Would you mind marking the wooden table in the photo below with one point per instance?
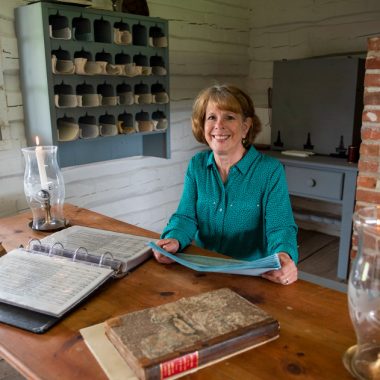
(315, 325)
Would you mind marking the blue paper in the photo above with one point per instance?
(214, 264)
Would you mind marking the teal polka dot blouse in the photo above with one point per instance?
(247, 217)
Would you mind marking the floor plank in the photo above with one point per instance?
(310, 242)
(318, 254)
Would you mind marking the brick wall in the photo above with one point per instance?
(368, 182)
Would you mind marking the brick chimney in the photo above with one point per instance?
(368, 182)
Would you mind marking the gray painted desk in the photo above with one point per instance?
(328, 179)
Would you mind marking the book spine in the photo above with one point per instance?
(214, 351)
(179, 365)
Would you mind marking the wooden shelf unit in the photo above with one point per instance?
(45, 29)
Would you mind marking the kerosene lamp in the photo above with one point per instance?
(363, 359)
(44, 187)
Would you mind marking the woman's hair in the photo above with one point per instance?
(226, 98)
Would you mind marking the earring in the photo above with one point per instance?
(244, 141)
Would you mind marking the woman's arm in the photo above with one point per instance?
(170, 245)
(281, 230)
(183, 224)
(288, 272)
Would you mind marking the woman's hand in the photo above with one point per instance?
(288, 272)
(169, 245)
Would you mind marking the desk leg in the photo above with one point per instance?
(349, 191)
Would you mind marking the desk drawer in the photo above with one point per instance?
(314, 183)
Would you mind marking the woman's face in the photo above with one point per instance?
(224, 130)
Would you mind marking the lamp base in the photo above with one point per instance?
(347, 360)
(362, 369)
(52, 225)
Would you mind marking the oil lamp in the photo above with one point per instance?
(44, 187)
(363, 359)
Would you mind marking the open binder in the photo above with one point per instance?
(40, 284)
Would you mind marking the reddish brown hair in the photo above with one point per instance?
(228, 98)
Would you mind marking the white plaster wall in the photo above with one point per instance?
(208, 42)
(305, 28)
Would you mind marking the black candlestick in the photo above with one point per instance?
(278, 142)
(341, 150)
(308, 144)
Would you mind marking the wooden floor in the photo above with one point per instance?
(318, 256)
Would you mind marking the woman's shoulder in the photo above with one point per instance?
(201, 158)
(267, 160)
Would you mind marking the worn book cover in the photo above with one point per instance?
(182, 336)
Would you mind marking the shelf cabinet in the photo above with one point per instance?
(95, 83)
(329, 179)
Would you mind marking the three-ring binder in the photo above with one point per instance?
(79, 254)
(42, 283)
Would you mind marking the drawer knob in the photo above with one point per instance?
(311, 182)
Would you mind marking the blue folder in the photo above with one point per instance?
(214, 264)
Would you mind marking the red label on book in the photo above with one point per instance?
(178, 365)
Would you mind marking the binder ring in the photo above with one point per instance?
(104, 257)
(78, 251)
(29, 246)
(55, 246)
(121, 272)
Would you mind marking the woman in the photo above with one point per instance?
(235, 200)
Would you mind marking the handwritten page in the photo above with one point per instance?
(47, 284)
(131, 249)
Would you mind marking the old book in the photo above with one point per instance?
(183, 336)
(41, 283)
